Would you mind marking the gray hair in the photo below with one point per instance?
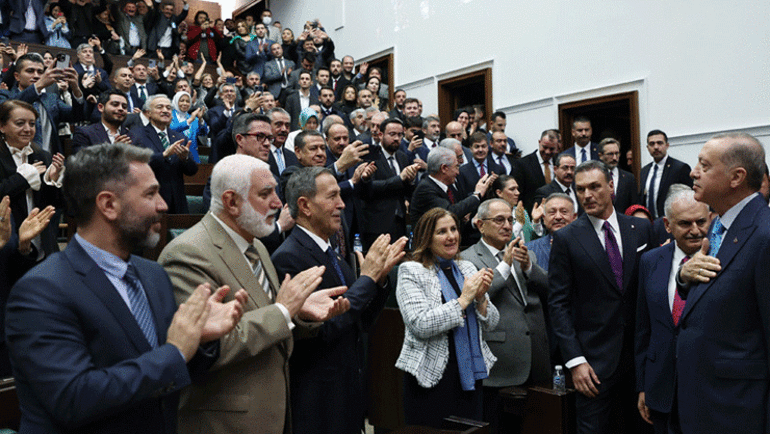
(151, 99)
(483, 211)
(608, 141)
(275, 110)
(83, 46)
(302, 183)
(251, 74)
(355, 113)
(676, 193)
(744, 150)
(450, 143)
(440, 156)
(224, 85)
(554, 196)
(371, 109)
(426, 122)
(98, 168)
(329, 121)
(233, 173)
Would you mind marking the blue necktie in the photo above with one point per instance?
(583, 155)
(336, 264)
(140, 307)
(717, 233)
(651, 191)
(279, 161)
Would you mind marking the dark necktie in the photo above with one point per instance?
(676, 311)
(651, 191)
(142, 93)
(583, 155)
(335, 264)
(613, 253)
(140, 307)
(482, 172)
(451, 195)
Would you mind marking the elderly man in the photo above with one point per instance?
(520, 341)
(327, 371)
(722, 349)
(624, 182)
(93, 334)
(223, 249)
(86, 65)
(558, 211)
(217, 116)
(454, 130)
(660, 307)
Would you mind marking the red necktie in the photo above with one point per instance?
(451, 196)
(676, 312)
(482, 172)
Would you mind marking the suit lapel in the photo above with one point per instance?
(659, 286)
(152, 136)
(318, 255)
(591, 245)
(629, 234)
(491, 262)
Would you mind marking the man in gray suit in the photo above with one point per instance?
(520, 340)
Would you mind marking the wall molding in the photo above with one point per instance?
(702, 137)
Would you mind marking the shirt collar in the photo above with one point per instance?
(109, 263)
(440, 184)
(729, 217)
(598, 223)
(322, 244)
(241, 243)
(24, 152)
(494, 251)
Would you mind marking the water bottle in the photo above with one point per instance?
(559, 382)
(411, 236)
(357, 246)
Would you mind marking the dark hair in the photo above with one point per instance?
(105, 96)
(580, 119)
(299, 141)
(323, 68)
(309, 56)
(305, 72)
(389, 121)
(655, 133)
(302, 183)
(344, 90)
(242, 122)
(413, 122)
(460, 111)
(497, 114)
(29, 57)
(423, 235)
(478, 136)
(10, 105)
(199, 13)
(411, 100)
(498, 184)
(594, 165)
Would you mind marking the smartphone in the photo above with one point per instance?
(373, 155)
(230, 80)
(420, 134)
(260, 88)
(153, 63)
(62, 61)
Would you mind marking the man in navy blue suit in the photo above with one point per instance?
(592, 277)
(171, 153)
(113, 108)
(659, 308)
(658, 176)
(330, 365)
(217, 116)
(24, 30)
(95, 343)
(258, 49)
(583, 149)
(723, 358)
(280, 157)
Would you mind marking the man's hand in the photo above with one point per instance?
(643, 409)
(322, 305)
(179, 149)
(96, 43)
(415, 143)
(363, 171)
(33, 226)
(123, 138)
(520, 253)
(409, 172)
(49, 77)
(71, 76)
(537, 212)
(585, 380)
(5, 220)
(352, 155)
(381, 257)
(188, 322)
(484, 183)
(138, 54)
(223, 316)
(295, 290)
(701, 268)
(285, 219)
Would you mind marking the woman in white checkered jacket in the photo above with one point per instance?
(445, 307)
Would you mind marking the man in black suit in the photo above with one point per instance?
(658, 176)
(113, 107)
(87, 65)
(536, 169)
(564, 175)
(326, 101)
(301, 98)
(498, 145)
(142, 87)
(171, 153)
(593, 275)
(217, 116)
(280, 157)
(481, 163)
(624, 182)
(337, 81)
(163, 34)
(123, 80)
(437, 190)
(330, 364)
(583, 149)
(399, 96)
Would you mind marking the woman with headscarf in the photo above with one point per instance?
(191, 125)
(308, 120)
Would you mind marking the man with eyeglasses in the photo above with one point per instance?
(520, 341)
(625, 183)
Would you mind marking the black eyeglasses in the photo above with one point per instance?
(500, 220)
(261, 137)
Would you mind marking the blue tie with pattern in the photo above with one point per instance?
(717, 233)
(140, 307)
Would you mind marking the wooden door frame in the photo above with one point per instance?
(447, 103)
(387, 58)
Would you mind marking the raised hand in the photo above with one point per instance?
(222, 317)
(33, 225)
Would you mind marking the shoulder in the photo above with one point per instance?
(466, 267)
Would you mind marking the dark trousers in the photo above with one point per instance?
(30, 37)
(614, 410)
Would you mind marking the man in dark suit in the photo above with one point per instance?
(142, 87)
(519, 341)
(624, 182)
(536, 169)
(330, 365)
(660, 307)
(593, 279)
(437, 190)
(123, 80)
(277, 71)
(258, 49)
(722, 360)
(498, 146)
(163, 25)
(21, 28)
(217, 116)
(558, 211)
(280, 157)
(499, 122)
(171, 153)
(294, 103)
(658, 176)
(584, 149)
(481, 164)
(337, 80)
(113, 107)
(399, 96)
(563, 182)
(93, 334)
(326, 102)
(86, 64)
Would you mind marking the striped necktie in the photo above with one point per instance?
(140, 307)
(259, 271)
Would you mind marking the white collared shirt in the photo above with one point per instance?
(579, 153)
(505, 270)
(658, 177)
(571, 193)
(678, 256)
(110, 135)
(541, 162)
(598, 225)
(324, 245)
(615, 178)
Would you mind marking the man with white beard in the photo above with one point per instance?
(223, 247)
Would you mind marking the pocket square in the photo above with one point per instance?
(642, 247)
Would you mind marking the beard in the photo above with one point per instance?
(254, 222)
(137, 232)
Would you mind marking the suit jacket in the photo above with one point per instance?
(331, 364)
(469, 175)
(341, 83)
(168, 171)
(594, 152)
(541, 247)
(289, 159)
(98, 87)
(501, 168)
(150, 87)
(294, 107)
(429, 195)
(249, 384)
(18, 19)
(256, 57)
(217, 120)
(529, 175)
(81, 361)
(273, 78)
(625, 194)
(383, 196)
(554, 187)
(90, 135)
(674, 172)
(520, 340)
(590, 315)
(724, 334)
(429, 320)
(123, 27)
(158, 25)
(655, 330)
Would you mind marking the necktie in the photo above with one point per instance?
(163, 139)
(142, 93)
(500, 161)
(547, 171)
(613, 253)
(717, 233)
(651, 191)
(279, 161)
(583, 155)
(130, 102)
(38, 139)
(256, 266)
(482, 172)
(283, 73)
(451, 195)
(335, 264)
(334, 85)
(676, 311)
(392, 163)
(140, 307)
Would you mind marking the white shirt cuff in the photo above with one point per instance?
(504, 269)
(286, 315)
(576, 361)
(538, 228)
(47, 177)
(30, 173)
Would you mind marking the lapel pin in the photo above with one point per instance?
(735, 240)
(633, 227)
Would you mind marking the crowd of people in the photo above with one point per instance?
(255, 319)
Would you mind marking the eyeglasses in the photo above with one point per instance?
(261, 137)
(499, 220)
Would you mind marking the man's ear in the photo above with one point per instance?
(231, 203)
(303, 207)
(108, 204)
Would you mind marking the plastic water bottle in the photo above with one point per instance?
(411, 235)
(559, 381)
(357, 246)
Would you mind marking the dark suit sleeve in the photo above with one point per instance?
(560, 274)
(642, 338)
(79, 140)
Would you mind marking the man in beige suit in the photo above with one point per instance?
(247, 390)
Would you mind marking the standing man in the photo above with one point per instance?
(258, 50)
(327, 371)
(623, 182)
(222, 249)
(164, 35)
(338, 80)
(660, 307)
(123, 80)
(280, 156)
(95, 342)
(499, 123)
(592, 276)
(277, 72)
(520, 341)
(300, 99)
(481, 163)
(142, 88)
(558, 211)
(536, 169)
(583, 149)
(724, 331)
(498, 146)
(112, 107)
(563, 182)
(658, 176)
